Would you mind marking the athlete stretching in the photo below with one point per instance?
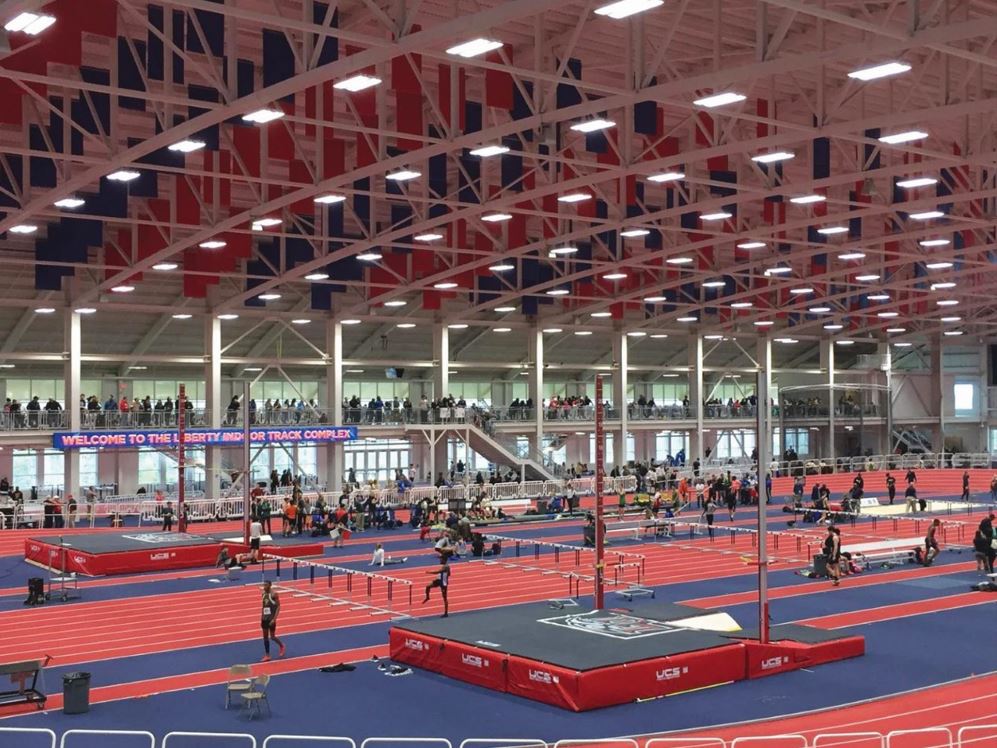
(271, 607)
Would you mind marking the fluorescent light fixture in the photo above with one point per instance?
(896, 329)
(807, 199)
(666, 176)
(501, 267)
(212, 244)
(268, 296)
(354, 371)
(867, 277)
(317, 276)
(329, 199)
(927, 215)
(122, 289)
(604, 314)
(720, 99)
(687, 319)
(844, 342)
(562, 251)
(266, 222)
(751, 245)
(934, 242)
(445, 285)
(633, 233)
(182, 315)
(902, 345)
(593, 125)
(720, 215)
(430, 237)
(165, 266)
(903, 137)
(301, 321)
(403, 175)
(661, 336)
(952, 333)
(356, 83)
(801, 291)
(405, 325)
(878, 297)
(888, 315)
(581, 333)
(123, 175)
(951, 319)
(457, 326)
(558, 292)
(942, 286)
(475, 47)
(714, 284)
(496, 217)
(504, 309)
(741, 305)
(833, 326)
(832, 230)
(369, 256)
(771, 158)
(138, 368)
(30, 23)
(574, 197)
(614, 276)
(879, 71)
(45, 310)
(262, 116)
(487, 151)
(909, 184)
(228, 316)
(788, 341)
(23, 228)
(187, 146)
(69, 202)
(940, 265)
(552, 330)
(679, 260)
(625, 8)
(636, 334)
(253, 368)
(947, 302)
(847, 256)
(763, 323)
(501, 329)
(647, 300)
(395, 303)
(779, 270)
(819, 309)
(351, 322)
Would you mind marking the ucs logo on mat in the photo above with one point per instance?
(418, 646)
(613, 625)
(542, 676)
(670, 673)
(474, 660)
(774, 662)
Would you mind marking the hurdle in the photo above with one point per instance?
(379, 594)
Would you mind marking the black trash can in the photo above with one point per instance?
(820, 565)
(76, 693)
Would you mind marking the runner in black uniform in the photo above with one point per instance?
(965, 485)
(891, 487)
(832, 552)
(271, 607)
(931, 543)
(443, 582)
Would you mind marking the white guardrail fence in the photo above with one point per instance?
(969, 736)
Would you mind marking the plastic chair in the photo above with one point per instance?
(239, 681)
(254, 699)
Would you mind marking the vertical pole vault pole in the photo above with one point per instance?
(763, 442)
(246, 459)
(600, 463)
(181, 472)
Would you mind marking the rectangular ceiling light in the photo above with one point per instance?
(846, 256)
(30, 23)
(593, 125)
(212, 244)
(329, 199)
(916, 182)
(679, 261)
(667, 176)
(23, 228)
(187, 146)
(903, 137)
(721, 99)
(879, 71)
(720, 215)
(123, 175)
(487, 151)
(632, 233)
(266, 222)
(496, 217)
(807, 199)
(356, 83)
(832, 230)
(574, 197)
(771, 158)
(927, 215)
(403, 175)
(933, 242)
(69, 202)
(262, 116)
(625, 8)
(751, 245)
(943, 265)
(430, 237)
(474, 48)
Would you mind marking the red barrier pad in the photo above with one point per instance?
(539, 681)
(477, 665)
(122, 562)
(783, 656)
(418, 650)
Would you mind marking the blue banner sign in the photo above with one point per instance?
(201, 437)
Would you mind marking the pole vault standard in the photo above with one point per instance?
(762, 443)
(600, 455)
(246, 459)
(181, 440)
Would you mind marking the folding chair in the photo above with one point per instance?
(239, 681)
(256, 696)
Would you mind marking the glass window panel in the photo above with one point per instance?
(88, 467)
(964, 394)
(53, 465)
(25, 469)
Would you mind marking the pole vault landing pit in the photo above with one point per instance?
(130, 552)
(581, 659)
